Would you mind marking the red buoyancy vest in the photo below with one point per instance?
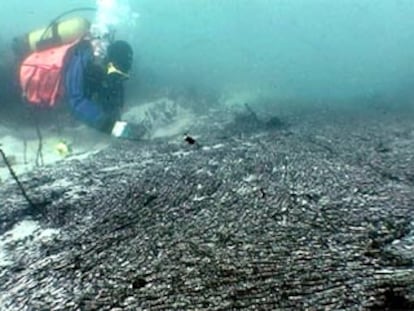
(41, 75)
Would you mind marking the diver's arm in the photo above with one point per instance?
(82, 108)
(91, 114)
(86, 110)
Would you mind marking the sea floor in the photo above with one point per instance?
(314, 212)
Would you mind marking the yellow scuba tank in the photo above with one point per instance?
(55, 34)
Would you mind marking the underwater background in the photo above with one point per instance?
(313, 51)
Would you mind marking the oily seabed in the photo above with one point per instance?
(312, 211)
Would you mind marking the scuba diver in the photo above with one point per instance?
(65, 61)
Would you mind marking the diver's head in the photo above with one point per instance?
(120, 54)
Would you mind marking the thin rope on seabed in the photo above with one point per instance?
(13, 174)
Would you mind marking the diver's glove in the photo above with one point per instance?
(131, 131)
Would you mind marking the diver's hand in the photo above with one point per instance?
(131, 131)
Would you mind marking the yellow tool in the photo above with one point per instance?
(63, 149)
